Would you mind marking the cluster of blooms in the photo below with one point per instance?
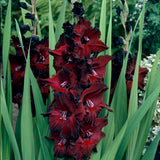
(78, 91)
(39, 64)
(117, 63)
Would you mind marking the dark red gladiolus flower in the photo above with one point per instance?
(78, 91)
(116, 69)
(94, 69)
(63, 80)
(39, 62)
(63, 54)
(87, 39)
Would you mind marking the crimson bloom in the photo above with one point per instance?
(63, 80)
(39, 64)
(87, 39)
(78, 90)
(88, 139)
(116, 69)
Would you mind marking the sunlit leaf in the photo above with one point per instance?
(60, 21)
(7, 123)
(135, 120)
(27, 138)
(6, 39)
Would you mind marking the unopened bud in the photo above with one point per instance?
(69, 1)
(128, 27)
(30, 16)
(118, 10)
(78, 9)
(24, 29)
(25, 5)
(123, 1)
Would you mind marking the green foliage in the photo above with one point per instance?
(127, 130)
(6, 39)
(152, 27)
(151, 24)
(27, 137)
(40, 122)
(152, 84)
(60, 21)
(8, 125)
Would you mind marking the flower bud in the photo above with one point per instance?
(123, 1)
(25, 5)
(128, 27)
(68, 28)
(30, 16)
(24, 29)
(116, 41)
(118, 10)
(35, 40)
(78, 9)
(69, 1)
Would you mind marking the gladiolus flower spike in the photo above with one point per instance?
(39, 64)
(117, 62)
(78, 91)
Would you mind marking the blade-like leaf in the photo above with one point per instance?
(112, 149)
(119, 115)
(150, 152)
(46, 154)
(133, 102)
(40, 122)
(7, 123)
(135, 120)
(120, 110)
(27, 138)
(20, 37)
(119, 105)
(93, 21)
(5, 139)
(18, 130)
(102, 24)
(153, 82)
(6, 148)
(9, 91)
(6, 39)
(18, 122)
(60, 21)
(107, 78)
(52, 43)
(25, 21)
(109, 129)
(36, 139)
